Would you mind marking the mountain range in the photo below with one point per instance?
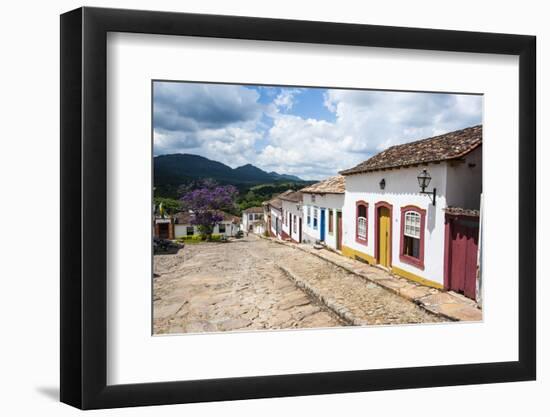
(181, 168)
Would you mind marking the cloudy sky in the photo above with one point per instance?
(309, 132)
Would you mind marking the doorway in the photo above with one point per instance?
(339, 230)
(164, 230)
(384, 236)
(462, 235)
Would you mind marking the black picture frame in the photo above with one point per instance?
(84, 207)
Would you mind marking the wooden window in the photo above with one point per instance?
(412, 236)
(221, 228)
(294, 226)
(309, 215)
(190, 230)
(250, 217)
(331, 221)
(361, 222)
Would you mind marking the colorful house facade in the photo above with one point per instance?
(414, 209)
(274, 216)
(291, 212)
(322, 205)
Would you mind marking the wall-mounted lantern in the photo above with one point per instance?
(424, 179)
(382, 183)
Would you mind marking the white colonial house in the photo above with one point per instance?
(253, 220)
(322, 212)
(414, 209)
(274, 216)
(291, 215)
(183, 226)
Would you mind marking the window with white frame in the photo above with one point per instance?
(362, 221)
(411, 234)
(309, 215)
(190, 230)
(221, 228)
(315, 217)
(294, 227)
(251, 217)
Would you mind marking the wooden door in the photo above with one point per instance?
(299, 230)
(164, 231)
(339, 230)
(462, 261)
(384, 236)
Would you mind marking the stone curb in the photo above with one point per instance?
(339, 310)
(418, 301)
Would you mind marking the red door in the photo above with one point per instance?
(462, 235)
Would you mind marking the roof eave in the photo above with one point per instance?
(413, 164)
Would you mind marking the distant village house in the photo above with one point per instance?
(322, 210)
(253, 220)
(291, 212)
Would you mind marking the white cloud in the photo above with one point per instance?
(285, 99)
(228, 124)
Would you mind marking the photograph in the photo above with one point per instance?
(290, 207)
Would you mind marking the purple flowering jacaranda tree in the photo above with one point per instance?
(207, 204)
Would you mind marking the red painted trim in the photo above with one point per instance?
(358, 239)
(447, 254)
(377, 228)
(419, 263)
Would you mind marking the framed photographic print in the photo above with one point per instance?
(258, 208)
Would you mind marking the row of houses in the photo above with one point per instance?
(413, 209)
(181, 225)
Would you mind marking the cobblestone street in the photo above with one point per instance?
(254, 283)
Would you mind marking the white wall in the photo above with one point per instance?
(290, 207)
(276, 217)
(247, 222)
(180, 230)
(322, 201)
(401, 190)
(33, 389)
(464, 181)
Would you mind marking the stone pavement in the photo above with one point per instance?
(253, 283)
(447, 304)
(212, 287)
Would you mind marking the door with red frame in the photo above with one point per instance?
(462, 234)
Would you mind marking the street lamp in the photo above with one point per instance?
(424, 179)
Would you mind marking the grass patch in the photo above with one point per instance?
(196, 239)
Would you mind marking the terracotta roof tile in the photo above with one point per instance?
(254, 210)
(184, 217)
(332, 185)
(451, 145)
(290, 195)
(459, 211)
(275, 203)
